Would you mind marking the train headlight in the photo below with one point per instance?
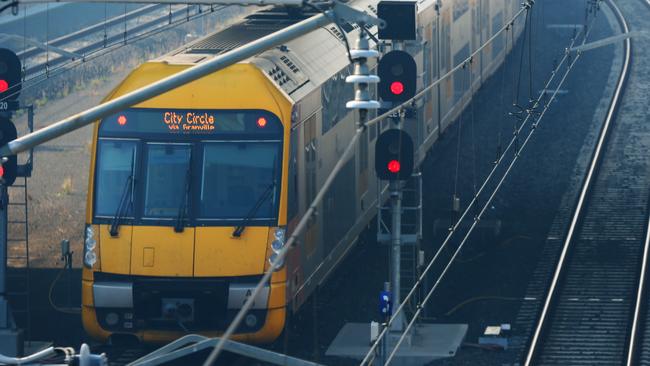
(279, 234)
(90, 257)
(278, 242)
(277, 245)
(273, 258)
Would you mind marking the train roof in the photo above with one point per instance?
(297, 67)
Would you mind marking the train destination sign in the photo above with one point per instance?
(190, 122)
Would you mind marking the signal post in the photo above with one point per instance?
(11, 342)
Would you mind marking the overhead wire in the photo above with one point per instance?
(321, 193)
(313, 206)
(477, 219)
(51, 72)
(569, 68)
(536, 103)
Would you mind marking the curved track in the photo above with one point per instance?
(594, 304)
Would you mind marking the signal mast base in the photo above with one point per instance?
(426, 343)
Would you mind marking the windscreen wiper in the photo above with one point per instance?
(179, 227)
(265, 195)
(129, 186)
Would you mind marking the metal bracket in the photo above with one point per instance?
(346, 13)
(609, 40)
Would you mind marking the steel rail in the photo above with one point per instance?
(41, 77)
(112, 40)
(478, 217)
(470, 205)
(644, 264)
(586, 188)
(91, 29)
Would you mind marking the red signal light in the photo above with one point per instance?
(261, 122)
(121, 120)
(4, 85)
(396, 87)
(2, 171)
(394, 166)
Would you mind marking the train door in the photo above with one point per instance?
(165, 247)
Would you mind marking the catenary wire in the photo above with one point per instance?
(474, 200)
(321, 193)
(55, 71)
(477, 219)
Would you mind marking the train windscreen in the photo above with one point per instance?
(145, 177)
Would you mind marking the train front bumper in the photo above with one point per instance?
(162, 309)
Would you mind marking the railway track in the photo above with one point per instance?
(595, 311)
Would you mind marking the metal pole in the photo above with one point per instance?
(10, 340)
(438, 66)
(171, 82)
(3, 249)
(396, 250)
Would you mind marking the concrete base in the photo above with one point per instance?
(426, 343)
(11, 342)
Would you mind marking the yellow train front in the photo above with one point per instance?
(190, 193)
(185, 208)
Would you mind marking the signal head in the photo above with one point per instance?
(398, 77)
(400, 20)
(394, 158)
(10, 75)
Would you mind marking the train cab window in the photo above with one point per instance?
(239, 179)
(167, 181)
(115, 168)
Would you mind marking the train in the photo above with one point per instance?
(193, 192)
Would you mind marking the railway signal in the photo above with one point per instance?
(398, 77)
(400, 20)
(394, 155)
(9, 165)
(10, 75)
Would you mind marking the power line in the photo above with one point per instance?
(478, 217)
(51, 72)
(330, 179)
(530, 113)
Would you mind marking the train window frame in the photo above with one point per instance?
(204, 221)
(144, 175)
(196, 143)
(126, 220)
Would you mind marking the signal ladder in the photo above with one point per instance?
(18, 284)
(411, 230)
